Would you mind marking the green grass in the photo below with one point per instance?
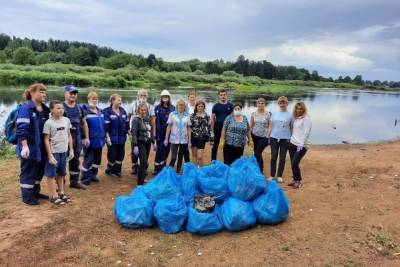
(7, 151)
(130, 77)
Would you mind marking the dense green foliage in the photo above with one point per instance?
(58, 62)
(130, 76)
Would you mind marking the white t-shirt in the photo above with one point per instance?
(58, 131)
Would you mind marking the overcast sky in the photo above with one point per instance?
(334, 37)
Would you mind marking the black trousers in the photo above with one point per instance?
(295, 158)
(115, 156)
(278, 147)
(180, 151)
(260, 143)
(144, 151)
(134, 159)
(217, 138)
(74, 163)
(161, 156)
(232, 153)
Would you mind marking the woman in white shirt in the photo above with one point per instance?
(299, 141)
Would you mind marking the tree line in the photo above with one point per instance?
(25, 51)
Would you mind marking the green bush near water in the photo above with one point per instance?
(94, 76)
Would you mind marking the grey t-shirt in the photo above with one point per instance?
(58, 133)
(261, 123)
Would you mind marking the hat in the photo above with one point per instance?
(70, 89)
(165, 93)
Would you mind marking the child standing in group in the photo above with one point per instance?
(57, 140)
(179, 134)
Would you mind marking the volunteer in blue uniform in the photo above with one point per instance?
(117, 127)
(79, 128)
(97, 137)
(162, 112)
(30, 148)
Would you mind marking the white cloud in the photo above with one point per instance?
(324, 53)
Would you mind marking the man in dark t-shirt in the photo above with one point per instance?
(220, 111)
(79, 129)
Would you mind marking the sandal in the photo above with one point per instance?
(297, 185)
(65, 198)
(57, 201)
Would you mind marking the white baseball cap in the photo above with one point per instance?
(165, 93)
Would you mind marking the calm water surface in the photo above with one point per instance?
(338, 115)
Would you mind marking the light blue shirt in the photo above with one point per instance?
(281, 125)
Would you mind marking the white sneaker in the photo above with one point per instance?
(269, 179)
(279, 179)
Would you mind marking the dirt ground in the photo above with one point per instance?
(346, 214)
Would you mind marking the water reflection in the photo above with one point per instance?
(337, 115)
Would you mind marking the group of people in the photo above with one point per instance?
(50, 137)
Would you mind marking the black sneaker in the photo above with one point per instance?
(78, 185)
(108, 172)
(32, 202)
(41, 196)
(116, 175)
(96, 180)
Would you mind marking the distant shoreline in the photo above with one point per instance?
(59, 74)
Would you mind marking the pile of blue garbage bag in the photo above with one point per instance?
(242, 197)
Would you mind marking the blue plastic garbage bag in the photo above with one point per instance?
(165, 185)
(272, 206)
(203, 223)
(135, 211)
(236, 214)
(171, 214)
(189, 181)
(212, 180)
(245, 180)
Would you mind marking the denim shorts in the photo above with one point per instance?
(60, 168)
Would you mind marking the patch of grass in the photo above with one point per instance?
(7, 151)
(382, 242)
(285, 248)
